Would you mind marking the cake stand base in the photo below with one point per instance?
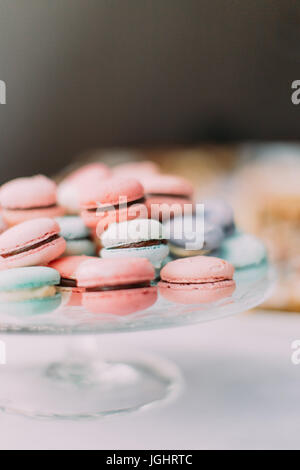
(83, 386)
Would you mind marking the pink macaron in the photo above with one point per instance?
(167, 196)
(70, 189)
(3, 224)
(29, 198)
(116, 200)
(136, 169)
(67, 267)
(199, 279)
(117, 286)
(31, 243)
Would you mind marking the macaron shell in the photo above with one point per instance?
(26, 234)
(165, 207)
(102, 220)
(37, 257)
(72, 228)
(110, 191)
(133, 231)
(120, 302)
(80, 247)
(219, 212)
(197, 293)
(68, 196)
(23, 193)
(243, 250)
(85, 173)
(3, 224)
(197, 269)
(155, 254)
(28, 278)
(71, 188)
(32, 307)
(190, 233)
(15, 217)
(68, 265)
(98, 272)
(167, 184)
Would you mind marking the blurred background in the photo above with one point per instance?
(109, 73)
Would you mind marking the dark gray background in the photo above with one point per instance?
(88, 73)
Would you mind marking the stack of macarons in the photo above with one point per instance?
(116, 286)
(167, 195)
(75, 183)
(77, 235)
(115, 200)
(101, 238)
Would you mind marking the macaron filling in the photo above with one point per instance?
(181, 252)
(31, 247)
(111, 207)
(119, 287)
(27, 294)
(173, 196)
(140, 244)
(72, 283)
(199, 285)
(51, 206)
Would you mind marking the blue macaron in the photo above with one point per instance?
(219, 212)
(30, 290)
(77, 236)
(243, 250)
(189, 236)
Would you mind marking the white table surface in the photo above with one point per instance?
(242, 391)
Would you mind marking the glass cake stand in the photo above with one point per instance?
(84, 385)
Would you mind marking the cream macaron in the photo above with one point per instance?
(139, 238)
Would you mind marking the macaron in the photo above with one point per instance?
(199, 279)
(243, 250)
(30, 290)
(69, 190)
(139, 238)
(167, 196)
(136, 169)
(3, 224)
(117, 286)
(29, 198)
(77, 236)
(116, 200)
(67, 266)
(219, 212)
(190, 235)
(31, 243)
